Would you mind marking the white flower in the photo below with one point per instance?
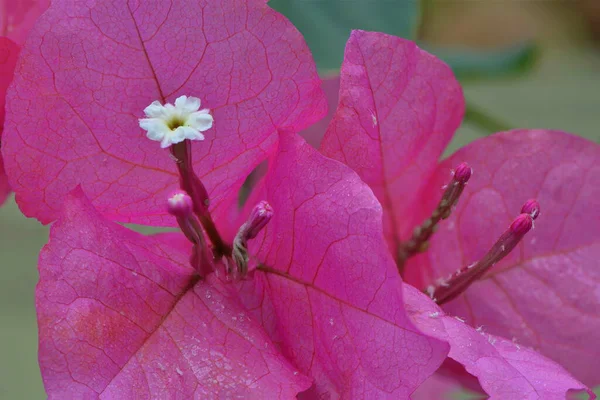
(171, 124)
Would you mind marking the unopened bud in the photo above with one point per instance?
(458, 282)
(180, 204)
(463, 173)
(259, 217)
(531, 207)
(522, 224)
(419, 242)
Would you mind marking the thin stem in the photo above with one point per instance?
(220, 248)
(189, 181)
(419, 241)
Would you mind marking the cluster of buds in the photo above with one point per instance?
(446, 289)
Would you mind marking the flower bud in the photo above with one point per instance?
(259, 217)
(463, 173)
(522, 224)
(459, 281)
(531, 207)
(180, 204)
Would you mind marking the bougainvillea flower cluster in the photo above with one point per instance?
(398, 109)
(16, 20)
(300, 291)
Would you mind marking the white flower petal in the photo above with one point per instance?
(191, 133)
(154, 110)
(187, 104)
(165, 142)
(178, 135)
(200, 120)
(155, 127)
(171, 124)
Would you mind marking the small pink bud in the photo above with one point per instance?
(531, 207)
(180, 204)
(259, 217)
(457, 283)
(462, 173)
(522, 224)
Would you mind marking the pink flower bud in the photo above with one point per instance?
(259, 217)
(462, 173)
(522, 224)
(180, 204)
(457, 283)
(531, 207)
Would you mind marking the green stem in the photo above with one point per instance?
(483, 121)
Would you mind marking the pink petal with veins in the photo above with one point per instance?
(545, 293)
(506, 371)
(327, 290)
(121, 316)
(18, 16)
(314, 133)
(399, 107)
(88, 72)
(9, 53)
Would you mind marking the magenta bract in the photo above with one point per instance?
(97, 68)
(314, 133)
(505, 369)
(122, 316)
(17, 19)
(399, 107)
(327, 289)
(9, 53)
(19, 16)
(543, 293)
(100, 330)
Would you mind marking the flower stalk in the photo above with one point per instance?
(180, 205)
(448, 289)
(189, 182)
(419, 242)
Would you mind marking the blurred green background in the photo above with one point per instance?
(528, 64)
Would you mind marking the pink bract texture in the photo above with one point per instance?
(399, 106)
(331, 297)
(88, 71)
(398, 109)
(439, 387)
(121, 316)
(18, 16)
(9, 53)
(314, 133)
(505, 370)
(16, 20)
(545, 292)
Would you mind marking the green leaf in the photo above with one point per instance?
(470, 64)
(326, 24)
